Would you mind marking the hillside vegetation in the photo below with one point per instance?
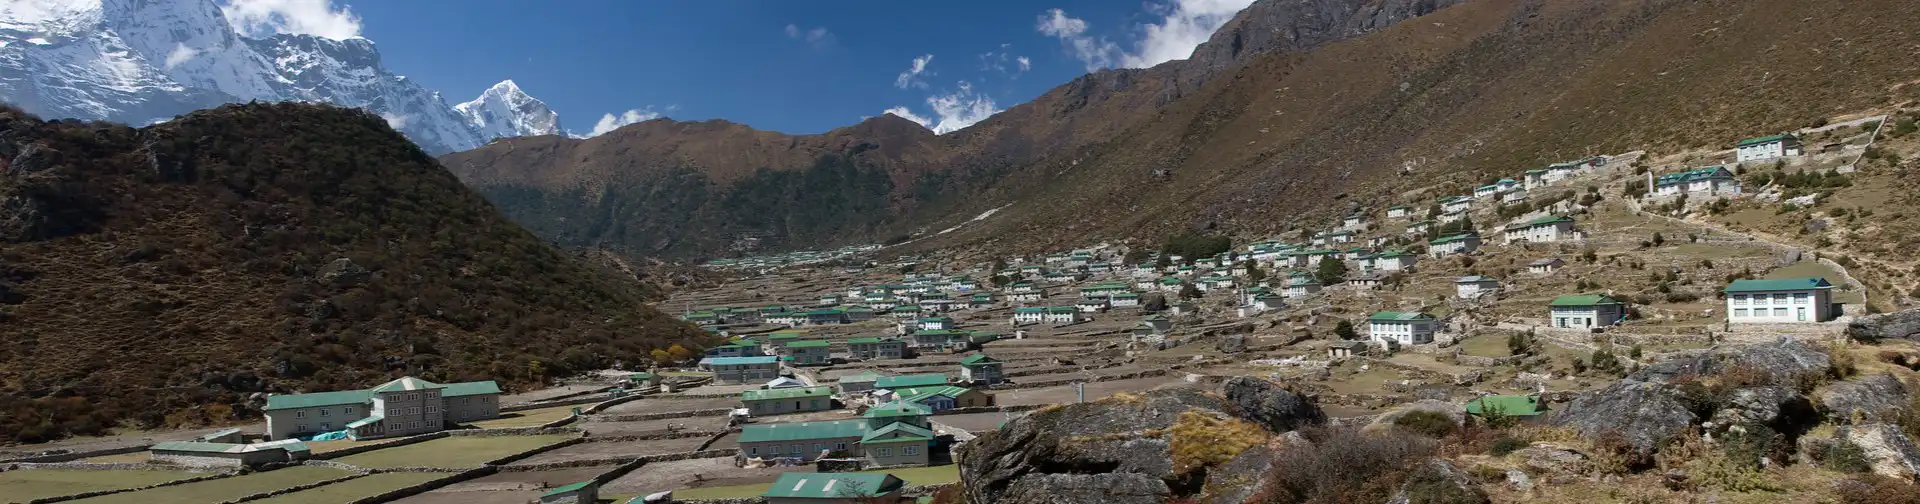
(164, 275)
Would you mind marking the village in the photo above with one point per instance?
(845, 377)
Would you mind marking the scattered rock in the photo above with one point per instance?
(1106, 488)
(1897, 325)
(1643, 414)
(1785, 359)
(343, 272)
(1268, 404)
(1451, 410)
(1890, 450)
(1438, 481)
(1096, 451)
(1553, 459)
(1872, 397)
(1519, 480)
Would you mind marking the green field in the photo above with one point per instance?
(528, 418)
(26, 485)
(357, 488)
(914, 476)
(224, 489)
(1486, 345)
(451, 452)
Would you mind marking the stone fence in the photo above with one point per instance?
(1055, 370)
(332, 464)
(650, 437)
(535, 451)
(659, 416)
(603, 405)
(295, 488)
(412, 490)
(73, 455)
(375, 446)
(515, 431)
(992, 409)
(665, 457)
(97, 493)
(715, 438)
(583, 398)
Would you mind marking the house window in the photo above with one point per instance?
(910, 450)
(326, 426)
(841, 446)
(1779, 299)
(300, 428)
(886, 452)
(1799, 298)
(299, 414)
(753, 450)
(346, 410)
(819, 447)
(1739, 312)
(795, 449)
(323, 412)
(1739, 299)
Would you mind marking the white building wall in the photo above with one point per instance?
(1802, 306)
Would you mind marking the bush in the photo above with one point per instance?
(1344, 464)
(1199, 440)
(1844, 456)
(1505, 445)
(1426, 423)
(1428, 485)
(1875, 489)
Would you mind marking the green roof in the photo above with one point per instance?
(863, 376)
(292, 401)
(1551, 219)
(760, 433)
(812, 485)
(1510, 405)
(1394, 316)
(907, 381)
(1781, 284)
(947, 320)
(1450, 239)
(469, 388)
(809, 344)
(1764, 139)
(785, 393)
(1535, 172)
(1062, 309)
(977, 359)
(1584, 300)
(916, 394)
(783, 335)
(905, 432)
(1706, 173)
(567, 488)
(897, 409)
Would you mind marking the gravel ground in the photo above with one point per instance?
(678, 474)
(615, 449)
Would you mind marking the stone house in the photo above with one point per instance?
(1785, 300)
(979, 369)
(1402, 328)
(585, 492)
(787, 400)
(401, 407)
(1586, 311)
(1456, 244)
(1698, 182)
(742, 370)
(835, 488)
(858, 382)
(1545, 266)
(1473, 287)
(1542, 230)
(1091, 305)
(205, 454)
(877, 348)
(810, 353)
(1767, 147)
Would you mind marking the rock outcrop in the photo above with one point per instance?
(1870, 398)
(1890, 451)
(1783, 359)
(1642, 414)
(1781, 408)
(1897, 325)
(1272, 406)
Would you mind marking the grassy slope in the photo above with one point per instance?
(180, 268)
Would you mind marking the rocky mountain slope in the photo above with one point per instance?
(144, 61)
(167, 275)
(677, 189)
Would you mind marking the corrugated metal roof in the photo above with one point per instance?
(833, 485)
(761, 433)
(785, 393)
(1781, 284)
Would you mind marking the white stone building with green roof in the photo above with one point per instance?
(401, 407)
(1767, 147)
(892, 426)
(1785, 300)
(1401, 328)
(1585, 311)
(787, 400)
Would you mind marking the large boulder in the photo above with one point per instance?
(1438, 481)
(1890, 451)
(1452, 410)
(1642, 414)
(1271, 405)
(1237, 480)
(1049, 454)
(1552, 459)
(1871, 398)
(1897, 325)
(1781, 408)
(1783, 360)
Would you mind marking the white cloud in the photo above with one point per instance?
(952, 111)
(1004, 62)
(905, 113)
(817, 36)
(305, 17)
(612, 122)
(911, 77)
(181, 53)
(395, 121)
(1182, 26)
(1025, 64)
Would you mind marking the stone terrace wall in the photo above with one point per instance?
(295, 488)
(97, 493)
(412, 490)
(536, 451)
(71, 456)
(659, 416)
(375, 446)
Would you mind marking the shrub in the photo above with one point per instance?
(1875, 489)
(1428, 485)
(1505, 445)
(1426, 423)
(1199, 440)
(1845, 456)
(1344, 464)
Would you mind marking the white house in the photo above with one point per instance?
(1300, 287)
(1123, 300)
(1340, 237)
(1452, 217)
(1545, 266)
(1026, 297)
(1399, 211)
(1394, 261)
(1356, 222)
(1586, 311)
(1456, 204)
(1786, 300)
(1486, 190)
(1767, 147)
(1419, 227)
(1456, 244)
(1534, 179)
(1029, 315)
(1091, 305)
(1547, 229)
(1472, 287)
(1369, 281)
(1401, 328)
(1706, 181)
(1513, 196)
(1062, 315)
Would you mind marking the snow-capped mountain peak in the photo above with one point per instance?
(506, 111)
(137, 61)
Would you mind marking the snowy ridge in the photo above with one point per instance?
(138, 61)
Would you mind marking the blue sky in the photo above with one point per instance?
(794, 67)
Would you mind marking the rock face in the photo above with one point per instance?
(1896, 325)
(1112, 451)
(1780, 408)
(1438, 481)
(1451, 410)
(1642, 414)
(1784, 359)
(1553, 459)
(1238, 479)
(1872, 397)
(1890, 450)
(1271, 406)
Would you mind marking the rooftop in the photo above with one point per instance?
(1584, 300)
(810, 485)
(1394, 316)
(908, 381)
(760, 433)
(785, 393)
(1782, 284)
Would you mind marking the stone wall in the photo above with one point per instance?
(375, 446)
(665, 457)
(584, 398)
(658, 416)
(515, 431)
(603, 405)
(715, 438)
(68, 456)
(650, 437)
(535, 451)
(409, 491)
(295, 488)
(83, 495)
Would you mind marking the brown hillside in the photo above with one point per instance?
(164, 275)
(669, 188)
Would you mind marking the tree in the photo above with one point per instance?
(679, 353)
(1164, 261)
(1344, 330)
(1135, 256)
(1659, 240)
(1188, 291)
(1332, 271)
(999, 280)
(1254, 273)
(661, 356)
(536, 370)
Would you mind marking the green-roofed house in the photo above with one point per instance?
(741, 370)
(981, 370)
(585, 492)
(802, 441)
(858, 382)
(1767, 147)
(1586, 311)
(810, 353)
(787, 400)
(401, 407)
(1704, 181)
(1401, 328)
(1450, 245)
(1399, 212)
(1783, 300)
(944, 397)
(910, 381)
(206, 454)
(1517, 406)
(898, 444)
(1486, 190)
(741, 348)
(877, 348)
(835, 488)
(1534, 179)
